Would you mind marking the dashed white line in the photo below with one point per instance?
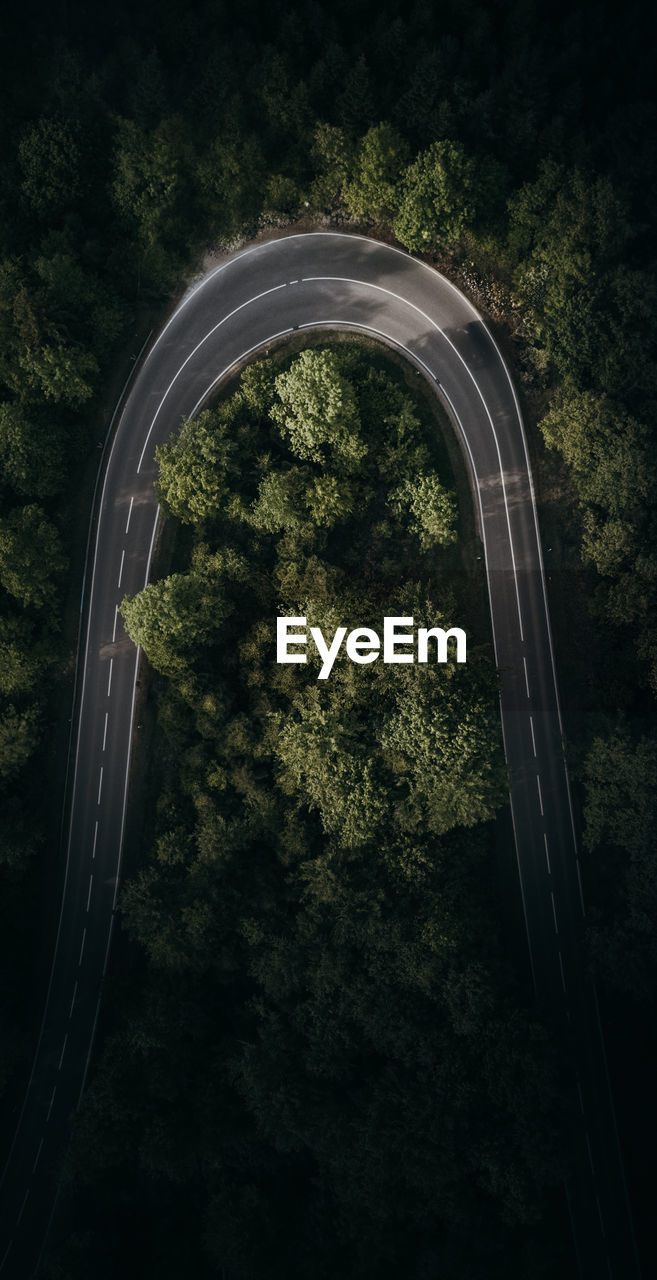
(554, 913)
(547, 854)
(52, 1099)
(36, 1159)
(524, 663)
(105, 730)
(579, 881)
(22, 1208)
(61, 1056)
(540, 794)
(127, 523)
(100, 784)
(84, 935)
(563, 979)
(109, 682)
(93, 851)
(531, 725)
(6, 1254)
(91, 880)
(116, 616)
(121, 569)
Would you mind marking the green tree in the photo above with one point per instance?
(22, 661)
(19, 738)
(440, 198)
(172, 618)
(31, 557)
(373, 190)
(193, 469)
(64, 375)
(31, 452)
(49, 158)
(317, 410)
(429, 509)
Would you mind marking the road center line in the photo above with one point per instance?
(91, 880)
(127, 524)
(531, 725)
(75, 992)
(121, 569)
(116, 615)
(547, 854)
(100, 784)
(540, 794)
(579, 881)
(22, 1208)
(84, 935)
(524, 662)
(554, 913)
(109, 682)
(105, 730)
(93, 851)
(36, 1160)
(563, 980)
(52, 1099)
(61, 1056)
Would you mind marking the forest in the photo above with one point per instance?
(512, 146)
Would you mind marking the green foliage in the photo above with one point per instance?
(31, 557)
(431, 510)
(440, 198)
(49, 157)
(317, 410)
(57, 374)
(31, 453)
(374, 188)
(193, 468)
(18, 739)
(169, 619)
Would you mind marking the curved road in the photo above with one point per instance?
(259, 295)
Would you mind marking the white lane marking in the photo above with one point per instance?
(121, 569)
(602, 1225)
(61, 1056)
(531, 725)
(6, 1254)
(540, 794)
(52, 1099)
(563, 980)
(116, 617)
(100, 785)
(91, 880)
(398, 298)
(579, 881)
(84, 936)
(36, 1159)
(547, 854)
(191, 355)
(588, 1145)
(109, 682)
(283, 333)
(524, 661)
(105, 730)
(554, 913)
(93, 851)
(22, 1208)
(127, 524)
(75, 992)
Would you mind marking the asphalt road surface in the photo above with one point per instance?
(257, 296)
